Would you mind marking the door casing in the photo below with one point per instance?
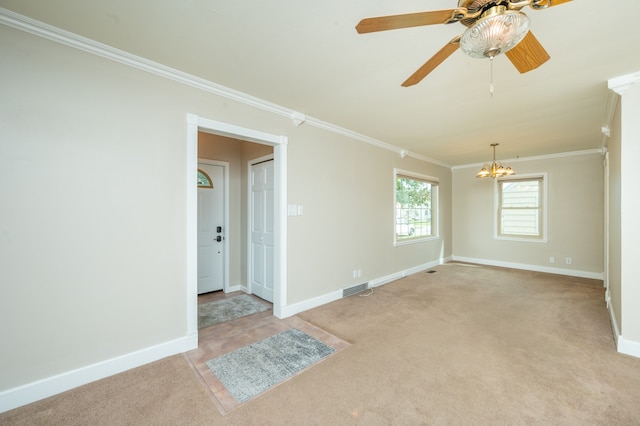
(279, 143)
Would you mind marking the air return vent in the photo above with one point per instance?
(355, 289)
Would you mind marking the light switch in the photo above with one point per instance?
(299, 210)
(292, 210)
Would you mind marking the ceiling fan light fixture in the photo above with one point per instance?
(496, 32)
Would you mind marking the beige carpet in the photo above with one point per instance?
(466, 345)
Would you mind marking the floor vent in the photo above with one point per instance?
(355, 289)
(431, 271)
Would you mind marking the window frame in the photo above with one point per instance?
(543, 208)
(435, 222)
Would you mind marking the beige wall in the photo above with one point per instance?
(346, 190)
(574, 210)
(93, 221)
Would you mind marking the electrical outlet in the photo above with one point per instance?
(552, 259)
(568, 260)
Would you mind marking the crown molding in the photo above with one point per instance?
(536, 158)
(622, 83)
(76, 41)
(372, 141)
(58, 35)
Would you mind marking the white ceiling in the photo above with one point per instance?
(306, 55)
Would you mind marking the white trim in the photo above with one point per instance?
(88, 45)
(528, 267)
(387, 279)
(614, 322)
(628, 347)
(415, 240)
(405, 273)
(607, 226)
(279, 144)
(407, 173)
(371, 141)
(225, 241)
(305, 305)
(49, 32)
(622, 83)
(35, 391)
(191, 251)
(232, 131)
(624, 346)
(535, 158)
(280, 299)
(233, 288)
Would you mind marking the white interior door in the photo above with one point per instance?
(211, 230)
(261, 262)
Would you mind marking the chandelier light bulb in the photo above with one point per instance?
(497, 32)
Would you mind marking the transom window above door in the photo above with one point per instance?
(204, 181)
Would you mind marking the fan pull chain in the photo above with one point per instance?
(491, 82)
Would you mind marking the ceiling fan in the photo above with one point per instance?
(493, 27)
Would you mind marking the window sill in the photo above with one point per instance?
(414, 241)
(521, 239)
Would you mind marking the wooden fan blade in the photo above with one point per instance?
(557, 2)
(394, 22)
(432, 63)
(528, 54)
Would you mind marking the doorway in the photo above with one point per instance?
(279, 144)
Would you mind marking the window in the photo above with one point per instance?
(204, 181)
(520, 207)
(415, 206)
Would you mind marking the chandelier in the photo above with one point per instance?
(497, 31)
(495, 169)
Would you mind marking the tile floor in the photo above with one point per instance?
(226, 337)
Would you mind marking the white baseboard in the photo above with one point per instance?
(410, 271)
(35, 391)
(628, 347)
(536, 268)
(305, 305)
(296, 308)
(233, 288)
(624, 346)
(614, 322)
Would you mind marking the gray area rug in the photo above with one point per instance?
(250, 370)
(228, 309)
